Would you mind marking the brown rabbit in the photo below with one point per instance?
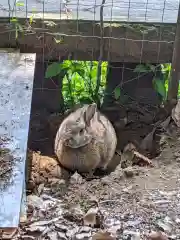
(86, 140)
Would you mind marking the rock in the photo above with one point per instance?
(58, 186)
(76, 178)
(165, 225)
(176, 114)
(103, 236)
(131, 171)
(92, 218)
(157, 236)
(132, 235)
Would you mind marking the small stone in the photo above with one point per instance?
(133, 235)
(62, 236)
(129, 172)
(157, 236)
(102, 236)
(164, 226)
(76, 178)
(92, 217)
(83, 235)
(177, 220)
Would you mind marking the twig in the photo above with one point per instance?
(9, 234)
(145, 159)
(5, 171)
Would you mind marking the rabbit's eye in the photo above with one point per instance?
(81, 131)
(78, 120)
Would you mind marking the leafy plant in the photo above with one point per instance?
(159, 86)
(19, 28)
(19, 4)
(160, 83)
(144, 68)
(79, 80)
(117, 93)
(53, 70)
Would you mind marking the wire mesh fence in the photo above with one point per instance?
(119, 10)
(96, 28)
(112, 31)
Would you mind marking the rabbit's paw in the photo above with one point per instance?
(104, 168)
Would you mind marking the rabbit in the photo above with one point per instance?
(85, 140)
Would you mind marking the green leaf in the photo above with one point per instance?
(141, 68)
(53, 70)
(60, 40)
(152, 67)
(80, 72)
(31, 19)
(20, 28)
(50, 23)
(19, 4)
(86, 100)
(16, 32)
(78, 67)
(94, 72)
(160, 87)
(14, 20)
(66, 64)
(117, 93)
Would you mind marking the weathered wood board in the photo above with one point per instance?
(80, 40)
(16, 85)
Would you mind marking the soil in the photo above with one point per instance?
(6, 165)
(132, 201)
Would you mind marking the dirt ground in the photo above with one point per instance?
(6, 165)
(130, 202)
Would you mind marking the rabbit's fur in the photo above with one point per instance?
(86, 140)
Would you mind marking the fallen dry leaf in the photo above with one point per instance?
(34, 201)
(147, 142)
(165, 123)
(129, 147)
(176, 113)
(8, 233)
(127, 155)
(157, 236)
(130, 156)
(144, 158)
(103, 236)
(43, 168)
(40, 188)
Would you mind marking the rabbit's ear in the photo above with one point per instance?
(89, 113)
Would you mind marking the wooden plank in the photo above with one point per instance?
(81, 40)
(16, 85)
(118, 10)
